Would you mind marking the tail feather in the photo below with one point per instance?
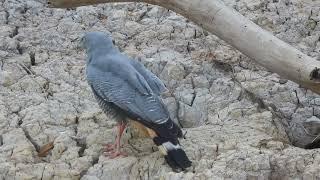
(313, 145)
(165, 136)
(175, 156)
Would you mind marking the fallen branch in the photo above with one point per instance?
(229, 25)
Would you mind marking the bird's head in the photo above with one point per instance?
(97, 41)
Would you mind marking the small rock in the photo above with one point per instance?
(6, 78)
(185, 94)
(201, 82)
(312, 125)
(277, 145)
(112, 168)
(172, 73)
(195, 115)
(283, 81)
(172, 107)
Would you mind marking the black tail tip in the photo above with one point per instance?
(312, 145)
(177, 159)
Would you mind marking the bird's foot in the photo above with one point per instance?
(109, 147)
(116, 154)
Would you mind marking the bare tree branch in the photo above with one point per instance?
(229, 25)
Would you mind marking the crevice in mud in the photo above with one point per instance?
(177, 113)
(20, 122)
(14, 32)
(298, 105)
(172, 32)
(194, 92)
(195, 34)
(1, 140)
(6, 17)
(81, 142)
(26, 69)
(1, 64)
(189, 49)
(19, 49)
(262, 106)
(82, 173)
(42, 172)
(226, 67)
(35, 145)
(45, 89)
(142, 15)
(32, 58)
(95, 161)
(253, 98)
(24, 10)
(76, 125)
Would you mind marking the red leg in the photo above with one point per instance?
(115, 149)
(109, 147)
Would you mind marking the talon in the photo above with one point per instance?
(109, 147)
(112, 150)
(117, 154)
(108, 153)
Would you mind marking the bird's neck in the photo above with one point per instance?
(102, 51)
(99, 53)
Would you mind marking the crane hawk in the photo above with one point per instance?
(126, 90)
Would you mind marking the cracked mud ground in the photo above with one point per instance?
(242, 121)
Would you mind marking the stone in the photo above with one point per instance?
(201, 82)
(195, 115)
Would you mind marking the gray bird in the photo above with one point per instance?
(126, 90)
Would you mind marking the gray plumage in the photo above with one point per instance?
(124, 88)
(122, 85)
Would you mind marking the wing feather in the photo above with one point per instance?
(154, 82)
(110, 87)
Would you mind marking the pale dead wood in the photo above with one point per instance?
(229, 25)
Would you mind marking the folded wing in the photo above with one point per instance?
(146, 108)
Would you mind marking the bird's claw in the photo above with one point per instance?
(109, 147)
(115, 154)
